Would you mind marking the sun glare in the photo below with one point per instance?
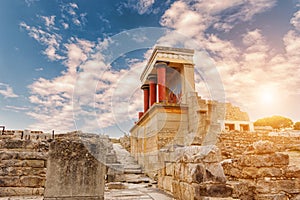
(267, 98)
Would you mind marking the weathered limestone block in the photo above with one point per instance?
(32, 181)
(293, 172)
(212, 190)
(22, 171)
(73, 172)
(10, 155)
(263, 147)
(296, 197)
(194, 173)
(169, 169)
(179, 171)
(272, 197)
(20, 191)
(242, 190)
(215, 173)
(269, 186)
(186, 191)
(176, 189)
(254, 172)
(167, 183)
(265, 160)
(196, 154)
(23, 163)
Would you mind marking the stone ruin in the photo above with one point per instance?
(73, 166)
(193, 148)
(200, 149)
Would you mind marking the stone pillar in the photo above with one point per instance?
(161, 68)
(145, 88)
(152, 88)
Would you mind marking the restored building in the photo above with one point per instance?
(173, 112)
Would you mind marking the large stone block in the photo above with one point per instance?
(265, 160)
(23, 163)
(169, 169)
(187, 191)
(20, 191)
(263, 147)
(293, 172)
(194, 173)
(199, 154)
(269, 186)
(73, 172)
(212, 190)
(167, 183)
(215, 173)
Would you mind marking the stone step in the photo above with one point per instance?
(137, 178)
(133, 171)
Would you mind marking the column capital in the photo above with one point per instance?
(161, 64)
(145, 86)
(152, 77)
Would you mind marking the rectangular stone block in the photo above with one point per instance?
(265, 160)
(20, 191)
(73, 172)
(269, 186)
(167, 183)
(169, 169)
(23, 163)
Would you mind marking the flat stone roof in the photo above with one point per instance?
(170, 54)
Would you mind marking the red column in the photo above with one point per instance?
(152, 88)
(145, 88)
(140, 114)
(161, 68)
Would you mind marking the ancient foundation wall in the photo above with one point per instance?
(193, 172)
(233, 144)
(261, 173)
(22, 166)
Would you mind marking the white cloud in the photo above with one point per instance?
(295, 21)
(141, 6)
(65, 25)
(16, 108)
(194, 15)
(244, 67)
(49, 21)
(71, 15)
(30, 2)
(73, 5)
(50, 40)
(39, 69)
(7, 91)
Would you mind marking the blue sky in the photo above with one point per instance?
(69, 65)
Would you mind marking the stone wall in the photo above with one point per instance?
(234, 113)
(23, 163)
(262, 173)
(22, 166)
(193, 172)
(233, 144)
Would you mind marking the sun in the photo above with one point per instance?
(267, 97)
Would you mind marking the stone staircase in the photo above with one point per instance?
(127, 170)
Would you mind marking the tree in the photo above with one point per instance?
(276, 122)
(297, 126)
